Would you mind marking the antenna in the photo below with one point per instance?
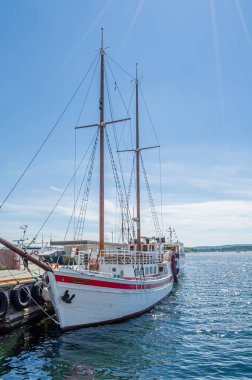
(102, 29)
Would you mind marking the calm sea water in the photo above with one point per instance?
(203, 330)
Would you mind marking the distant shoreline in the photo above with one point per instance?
(221, 248)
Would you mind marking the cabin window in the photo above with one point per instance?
(161, 269)
(152, 248)
(145, 247)
(150, 270)
(155, 270)
(113, 269)
(146, 270)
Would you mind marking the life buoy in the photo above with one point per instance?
(36, 292)
(20, 296)
(4, 303)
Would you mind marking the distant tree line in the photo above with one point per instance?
(231, 248)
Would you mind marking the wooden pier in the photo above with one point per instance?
(17, 316)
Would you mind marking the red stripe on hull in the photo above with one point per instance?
(108, 284)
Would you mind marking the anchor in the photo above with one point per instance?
(66, 297)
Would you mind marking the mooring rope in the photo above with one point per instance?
(48, 315)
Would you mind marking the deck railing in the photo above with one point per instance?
(133, 258)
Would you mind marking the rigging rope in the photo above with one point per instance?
(124, 205)
(88, 90)
(126, 108)
(79, 192)
(154, 213)
(42, 309)
(61, 196)
(161, 192)
(117, 87)
(125, 213)
(75, 141)
(49, 134)
(129, 192)
(83, 210)
(160, 170)
(131, 179)
(152, 205)
(117, 64)
(75, 160)
(115, 134)
(149, 114)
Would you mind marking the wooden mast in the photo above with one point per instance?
(102, 124)
(101, 127)
(137, 169)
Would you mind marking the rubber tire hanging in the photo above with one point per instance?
(20, 296)
(37, 291)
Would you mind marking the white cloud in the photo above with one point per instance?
(201, 223)
(211, 222)
(56, 189)
(220, 215)
(28, 208)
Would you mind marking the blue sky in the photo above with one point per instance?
(194, 58)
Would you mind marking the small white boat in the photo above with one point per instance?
(177, 249)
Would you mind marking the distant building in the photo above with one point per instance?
(85, 245)
(9, 259)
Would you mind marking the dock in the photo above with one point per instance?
(16, 280)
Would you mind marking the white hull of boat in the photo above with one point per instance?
(101, 299)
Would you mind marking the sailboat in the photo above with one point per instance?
(120, 283)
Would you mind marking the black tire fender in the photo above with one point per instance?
(36, 292)
(4, 303)
(20, 296)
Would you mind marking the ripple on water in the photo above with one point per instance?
(203, 330)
